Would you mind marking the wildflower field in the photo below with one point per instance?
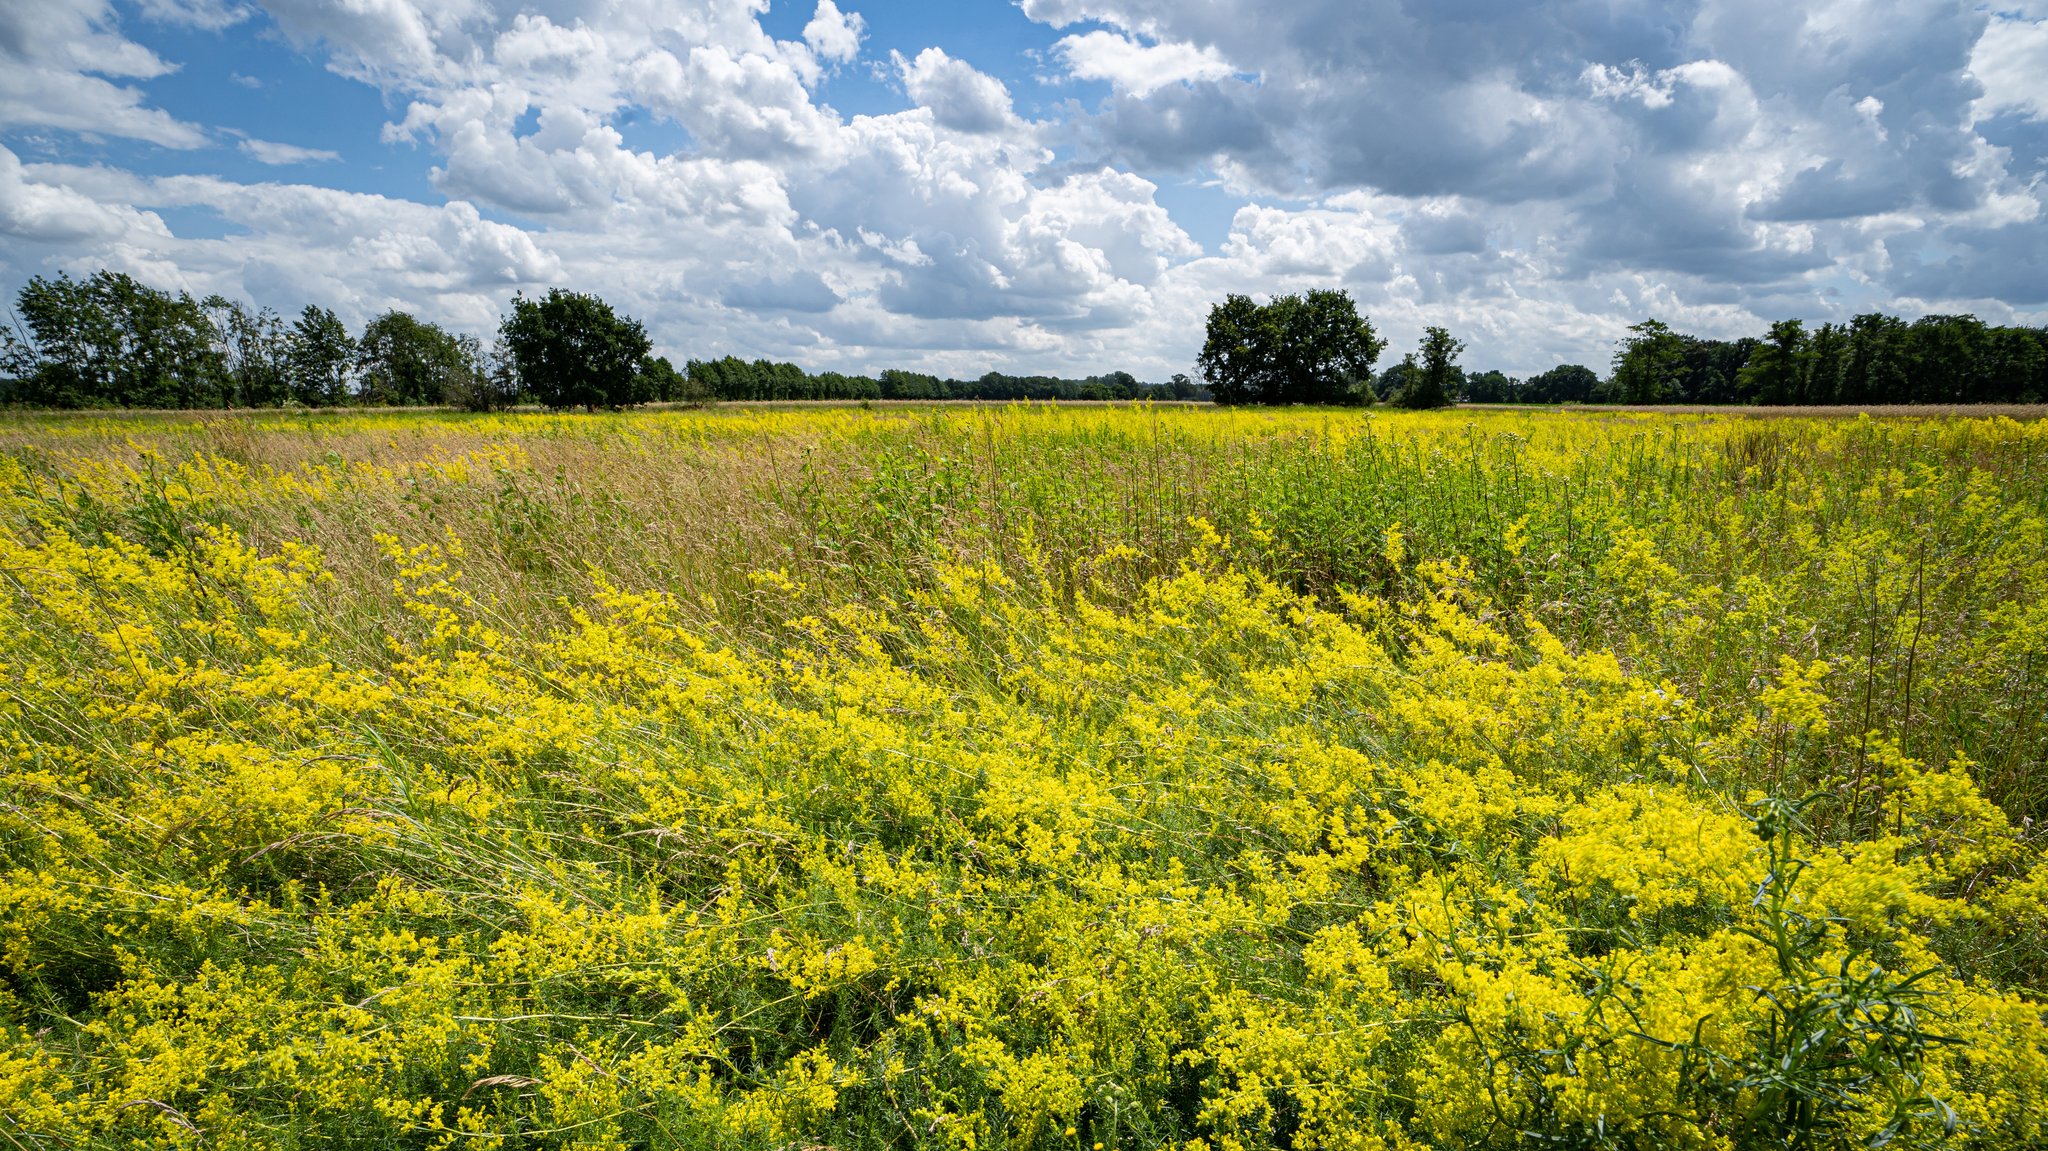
(1023, 777)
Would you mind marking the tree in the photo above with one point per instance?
(407, 361)
(1433, 375)
(320, 358)
(1826, 362)
(1945, 356)
(252, 350)
(1647, 369)
(570, 350)
(1393, 383)
(667, 385)
(1776, 369)
(1492, 387)
(1877, 363)
(486, 382)
(1308, 349)
(1236, 355)
(111, 341)
(1563, 384)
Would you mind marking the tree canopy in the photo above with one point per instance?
(111, 341)
(321, 358)
(1433, 375)
(1649, 364)
(1309, 349)
(572, 351)
(405, 360)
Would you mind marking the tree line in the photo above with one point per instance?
(1317, 349)
(732, 378)
(111, 341)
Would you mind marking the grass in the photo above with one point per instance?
(1022, 776)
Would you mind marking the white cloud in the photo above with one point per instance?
(52, 214)
(210, 15)
(959, 97)
(2011, 61)
(835, 35)
(1139, 69)
(1634, 82)
(1535, 176)
(271, 152)
(56, 58)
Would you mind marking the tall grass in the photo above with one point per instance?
(1022, 776)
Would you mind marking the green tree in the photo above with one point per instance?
(1945, 357)
(2016, 365)
(1776, 370)
(320, 358)
(1563, 384)
(1648, 368)
(1826, 362)
(252, 351)
(111, 341)
(403, 360)
(1393, 383)
(1235, 357)
(669, 386)
(486, 381)
(1877, 372)
(1307, 349)
(1433, 373)
(1491, 387)
(570, 350)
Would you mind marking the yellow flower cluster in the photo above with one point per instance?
(1022, 852)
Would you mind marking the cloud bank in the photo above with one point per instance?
(1537, 177)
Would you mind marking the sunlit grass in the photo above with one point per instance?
(1022, 776)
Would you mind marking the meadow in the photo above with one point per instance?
(1023, 776)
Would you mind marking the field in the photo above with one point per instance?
(981, 777)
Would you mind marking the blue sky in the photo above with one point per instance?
(1048, 185)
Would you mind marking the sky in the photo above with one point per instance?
(1056, 186)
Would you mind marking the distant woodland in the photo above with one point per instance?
(110, 341)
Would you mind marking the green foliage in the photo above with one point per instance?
(570, 350)
(1489, 387)
(1776, 370)
(1308, 349)
(252, 347)
(1563, 384)
(1433, 379)
(320, 359)
(1021, 778)
(402, 360)
(485, 381)
(1647, 369)
(111, 341)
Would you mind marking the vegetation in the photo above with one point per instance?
(1873, 360)
(572, 351)
(732, 378)
(1022, 777)
(1307, 349)
(1429, 381)
(112, 342)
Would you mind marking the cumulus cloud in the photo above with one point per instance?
(46, 214)
(2011, 62)
(59, 63)
(959, 97)
(1536, 176)
(1136, 68)
(835, 35)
